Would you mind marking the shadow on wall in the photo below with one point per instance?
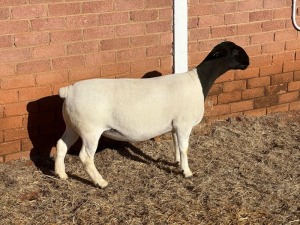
(46, 126)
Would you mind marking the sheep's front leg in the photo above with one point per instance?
(183, 143)
(86, 156)
(176, 147)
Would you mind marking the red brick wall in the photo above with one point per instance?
(46, 44)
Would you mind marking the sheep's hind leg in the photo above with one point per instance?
(176, 147)
(86, 156)
(67, 140)
(183, 142)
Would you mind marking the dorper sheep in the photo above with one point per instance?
(139, 109)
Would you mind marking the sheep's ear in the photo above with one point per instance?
(219, 53)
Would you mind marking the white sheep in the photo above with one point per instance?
(140, 109)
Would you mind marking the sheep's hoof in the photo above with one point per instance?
(62, 176)
(188, 174)
(103, 184)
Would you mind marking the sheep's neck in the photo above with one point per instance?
(208, 72)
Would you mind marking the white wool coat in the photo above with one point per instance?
(134, 109)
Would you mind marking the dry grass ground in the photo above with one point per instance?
(246, 171)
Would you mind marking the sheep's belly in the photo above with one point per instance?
(118, 136)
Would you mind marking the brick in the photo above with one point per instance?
(262, 38)
(228, 76)
(142, 16)
(158, 3)
(286, 35)
(253, 93)
(250, 5)
(241, 106)
(282, 13)
(271, 69)
(52, 77)
(6, 42)
(10, 147)
(62, 9)
(265, 15)
(145, 65)
(114, 44)
(115, 69)
(218, 110)
(281, 78)
(250, 28)
(211, 20)
(276, 89)
(12, 3)
(291, 66)
(193, 23)
(237, 18)
(81, 21)
(278, 108)
(32, 38)
(246, 74)
(167, 38)
(289, 97)
(273, 25)
(199, 34)
(234, 86)
(45, 1)
(216, 89)
(66, 36)
(161, 50)
(223, 31)
(29, 12)
(258, 82)
(82, 47)
(295, 106)
(99, 33)
(130, 30)
(145, 40)
(159, 26)
(224, 98)
(97, 6)
(33, 93)
(4, 13)
(269, 4)
(7, 69)
(131, 54)
(13, 27)
(8, 96)
(113, 18)
(101, 58)
(273, 47)
(56, 23)
(261, 60)
(253, 50)
(297, 75)
(16, 109)
(165, 14)
(14, 55)
(67, 62)
(283, 57)
(13, 82)
(15, 134)
(11, 122)
(82, 73)
(33, 66)
(19, 155)
(128, 5)
(267, 101)
(294, 86)
(292, 44)
(48, 51)
(255, 112)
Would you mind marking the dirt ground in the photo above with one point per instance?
(246, 171)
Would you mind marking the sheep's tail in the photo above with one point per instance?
(63, 92)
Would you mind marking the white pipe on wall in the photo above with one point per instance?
(294, 15)
(180, 20)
